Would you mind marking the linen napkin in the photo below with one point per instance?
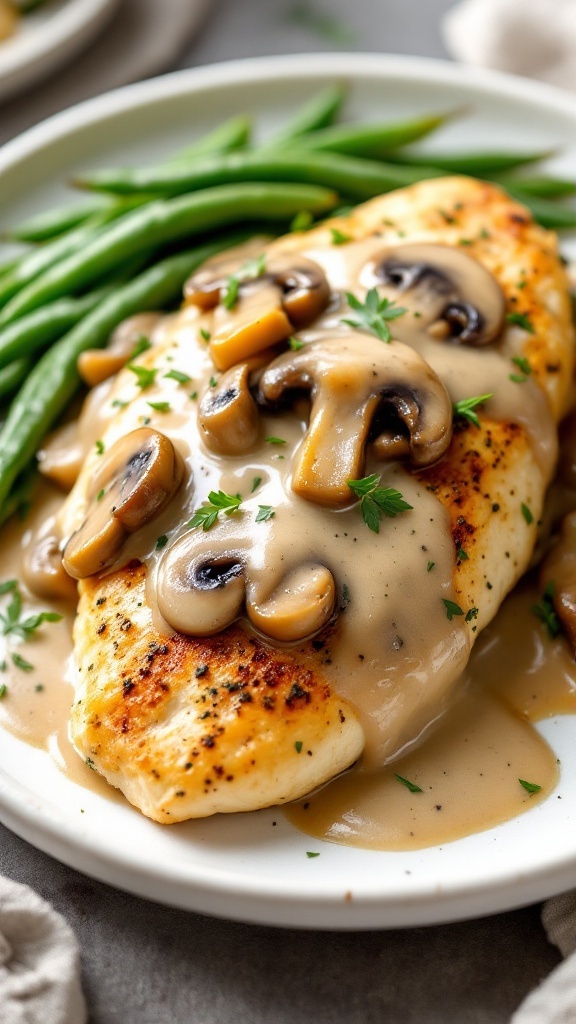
(536, 38)
(143, 38)
(39, 961)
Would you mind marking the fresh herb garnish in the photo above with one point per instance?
(161, 542)
(7, 586)
(275, 440)
(377, 501)
(545, 611)
(295, 344)
(409, 785)
(265, 512)
(374, 314)
(466, 406)
(13, 622)
(230, 293)
(159, 406)
(530, 787)
(338, 237)
(182, 378)
(3, 690)
(100, 494)
(205, 334)
(142, 345)
(521, 320)
(213, 382)
(99, 447)
(461, 554)
(218, 501)
(527, 514)
(256, 483)
(302, 221)
(452, 609)
(522, 363)
(21, 662)
(250, 270)
(311, 853)
(144, 377)
(298, 745)
(345, 596)
(430, 566)
(472, 613)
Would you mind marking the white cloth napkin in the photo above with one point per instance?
(39, 961)
(143, 38)
(536, 38)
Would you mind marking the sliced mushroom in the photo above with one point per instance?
(289, 294)
(42, 566)
(559, 573)
(355, 385)
(97, 364)
(456, 298)
(204, 585)
(298, 608)
(228, 416)
(135, 481)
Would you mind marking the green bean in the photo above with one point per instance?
(373, 140)
(543, 188)
(231, 135)
(476, 164)
(163, 222)
(12, 376)
(39, 328)
(548, 213)
(46, 226)
(318, 112)
(33, 264)
(54, 379)
(352, 176)
(19, 498)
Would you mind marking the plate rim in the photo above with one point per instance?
(421, 905)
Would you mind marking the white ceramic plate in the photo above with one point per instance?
(47, 39)
(245, 866)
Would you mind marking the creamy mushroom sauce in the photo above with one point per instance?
(393, 649)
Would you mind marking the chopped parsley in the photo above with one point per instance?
(298, 746)
(21, 662)
(230, 293)
(275, 440)
(409, 785)
(159, 406)
(182, 378)
(430, 566)
(213, 382)
(466, 406)
(205, 334)
(521, 320)
(265, 512)
(545, 611)
(472, 613)
(338, 237)
(345, 596)
(530, 787)
(295, 344)
(12, 621)
(377, 501)
(99, 447)
(461, 554)
(3, 690)
(256, 483)
(373, 314)
(7, 586)
(527, 514)
(161, 542)
(302, 221)
(100, 494)
(311, 853)
(250, 270)
(452, 609)
(218, 501)
(142, 345)
(144, 377)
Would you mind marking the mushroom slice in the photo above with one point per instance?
(97, 364)
(559, 574)
(200, 592)
(354, 384)
(42, 566)
(137, 478)
(456, 297)
(298, 608)
(228, 416)
(287, 294)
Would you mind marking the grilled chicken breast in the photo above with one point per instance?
(255, 711)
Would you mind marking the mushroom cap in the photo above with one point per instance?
(298, 607)
(228, 415)
(199, 592)
(134, 482)
(43, 571)
(443, 283)
(351, 381)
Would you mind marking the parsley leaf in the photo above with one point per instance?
(311, 853)
(465, 407)
(7, 586)
(99, 447)
(142, 345)
(298, 745)
(21, 663)
(530, 787)
(144, 377)
(159, 406)
(521, 320)
(409, 785)
(12, 621)
(338, 237)
(527, 514)
(275, 440)
(545, 611)
(376, 501)
(295, 344)
(373, 314)
(218, 501)
(161, 542)
(250, 270)
(302, 221)
(256, 483)
(182, 378)
(265, 512)
(205, 334)
(452, 609)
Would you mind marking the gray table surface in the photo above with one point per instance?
(146, 964)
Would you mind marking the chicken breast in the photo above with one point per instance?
(240, 662)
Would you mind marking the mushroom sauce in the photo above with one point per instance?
(393, 648)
